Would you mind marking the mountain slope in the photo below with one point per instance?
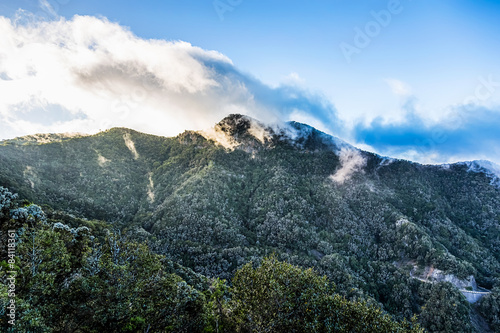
(213, 201)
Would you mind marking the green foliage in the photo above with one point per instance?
(69, 282)
(445, 309)
(489, 308)
(208, 211)
(279, 297)
(219, 307)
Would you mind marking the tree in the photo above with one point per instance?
(279, 297)
(489, 308)
(445, 309)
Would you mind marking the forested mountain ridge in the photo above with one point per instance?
(215, 200)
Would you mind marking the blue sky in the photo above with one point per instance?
(419, 80)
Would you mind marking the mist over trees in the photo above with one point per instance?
(156, 232)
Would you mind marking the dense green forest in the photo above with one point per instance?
(144, 232)
(70, 280)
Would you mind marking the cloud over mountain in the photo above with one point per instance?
(88, 73)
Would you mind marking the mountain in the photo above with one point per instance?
(413, 238)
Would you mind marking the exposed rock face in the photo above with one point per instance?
(439, 276)
(239, 131)
(434, 275)
(248, 134)
(468, 287)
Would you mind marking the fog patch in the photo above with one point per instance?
(490, 169)
(351, 161)
(150, 188)
(130, 145)
(30, 176)
(258, 131)
(219, 137)
(102, 160)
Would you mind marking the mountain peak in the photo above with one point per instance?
(244, 132)
(490, 169)
(240, 131)
(235, 124)
(244, 127)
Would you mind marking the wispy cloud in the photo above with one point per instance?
(351, 161)
(466, 133)
(46, 7)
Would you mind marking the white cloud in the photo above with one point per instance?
(88, 74)
(399, 88)
(101, 75)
